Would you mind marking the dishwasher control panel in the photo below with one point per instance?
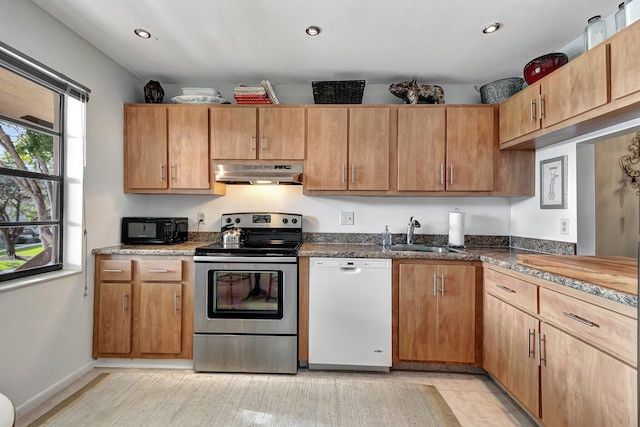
(351, 262)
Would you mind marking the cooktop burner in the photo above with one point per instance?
(261, 234)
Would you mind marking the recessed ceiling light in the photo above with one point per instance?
(144, 34)
(313, 30)
(492, 28)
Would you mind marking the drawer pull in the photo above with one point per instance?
(158, 271)
(531, 351)
(540, 358)
(112, 271)
(124, 302)
(580, 319)
(504, 288)
(435, 284)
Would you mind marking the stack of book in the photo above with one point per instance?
(250, 95)
(265, 94)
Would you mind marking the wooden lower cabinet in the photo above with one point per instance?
(161, 318)
(114, 318)
(436, 312)
(143, 307)
(582, 386)
(509, 355)
(563, 375)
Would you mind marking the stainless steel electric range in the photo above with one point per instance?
(246, 295)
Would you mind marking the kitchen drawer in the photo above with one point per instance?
(159, 270)
(517, 292)
(115, 270)
(602, 328)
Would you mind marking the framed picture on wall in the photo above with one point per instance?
(553, 183)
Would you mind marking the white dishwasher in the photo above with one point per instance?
(350, 313)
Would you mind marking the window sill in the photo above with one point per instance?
(11, 285)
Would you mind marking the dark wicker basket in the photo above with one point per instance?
(338, 92)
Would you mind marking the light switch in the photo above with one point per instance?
(346, 218)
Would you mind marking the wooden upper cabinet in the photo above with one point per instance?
(282, 133)
(145, 148)
(188, 128)
(520, 114)
(625, 62)
(577, 87)
(233, 132)
(421, 149)
(327, 141)
(368, 167)
(471, 147)
(249, 133)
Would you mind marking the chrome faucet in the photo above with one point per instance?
(412, 224)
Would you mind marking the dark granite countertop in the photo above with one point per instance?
(501, 256)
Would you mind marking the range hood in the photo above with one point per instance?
(254, 173)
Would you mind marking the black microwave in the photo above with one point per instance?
(154, 231)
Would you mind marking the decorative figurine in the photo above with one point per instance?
(153, 93)
(414, 93)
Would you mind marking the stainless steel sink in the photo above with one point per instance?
(424, 248)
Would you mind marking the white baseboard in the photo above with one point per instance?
(145, 363)
(48, 393)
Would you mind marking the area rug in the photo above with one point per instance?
(199, 399)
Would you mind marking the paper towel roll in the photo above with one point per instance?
(456, 228)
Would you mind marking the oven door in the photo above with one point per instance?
(246, 295)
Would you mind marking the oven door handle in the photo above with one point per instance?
(245, 259)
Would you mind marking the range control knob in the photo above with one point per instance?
(237, 221)
(285, 220)
(294, 220)
(228, 221)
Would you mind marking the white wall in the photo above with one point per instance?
(484, 215)
(46, 328)
(528, 220)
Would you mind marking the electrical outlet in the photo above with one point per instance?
(346, 218)
(564, 226)
(201, 218)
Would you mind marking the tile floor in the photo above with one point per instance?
(474, 399)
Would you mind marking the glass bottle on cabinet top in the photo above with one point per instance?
(631, 11)
(595, 32)
(620, 18)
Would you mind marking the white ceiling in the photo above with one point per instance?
(233, 41)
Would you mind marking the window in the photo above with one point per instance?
(32, 167)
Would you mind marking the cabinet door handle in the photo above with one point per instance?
(251, 141)
(124, 302)
(442, 279)
(353, 173)
(532, 110)
(451, 174)
(435, 284)
(171, 169)
(540, 341)
(111, 270)
(175, 303)
(161, 172)
(158, 271)
(579, 319)
(262, 144)
(541, 106)
(530, 351)
(344, 172)
(441, 173)
(504, 288)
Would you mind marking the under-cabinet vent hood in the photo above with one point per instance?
(243, 173)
